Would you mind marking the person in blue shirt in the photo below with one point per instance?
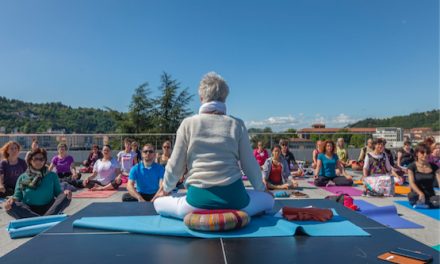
(326, 167)
(147, 175)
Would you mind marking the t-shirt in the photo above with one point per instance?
(424, 181)
(12, 172)
(147, 178)
(378, 157)
(342, 154)
(261, 157)
(48, 189)
(126, 160)
(62, 165)
(106, 170)
(275, 174)
(328, 168)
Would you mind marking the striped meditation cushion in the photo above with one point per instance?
(216, 220)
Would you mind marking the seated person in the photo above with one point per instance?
(315, 154)
(342, 153)
(126, 159)
(326, 169)
(147, 175)
(10, 168)
(378, 176)
(405, 156)
(34, 146)
(359, 164)
(421, 175)
(434, 157)
(38, 191)
(163, 158)
(94, 155)
(389, 153)
(276, 173)
(209, 146)
(260, 154)
(65, 168)
(294, 169)
(106, 173)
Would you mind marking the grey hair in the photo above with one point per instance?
(213, 88)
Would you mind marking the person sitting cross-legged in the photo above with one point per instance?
(147, 175)
(38, 191)
(328, 162)
(276, 173)
(106, 173)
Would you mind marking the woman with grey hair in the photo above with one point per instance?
(209, 147)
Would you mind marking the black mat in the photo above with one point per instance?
(65, 244)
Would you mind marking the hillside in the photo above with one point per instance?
(19, 116)
(424, 119)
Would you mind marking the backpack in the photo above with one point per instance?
(344, 199)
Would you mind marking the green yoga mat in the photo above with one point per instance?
(263, 226)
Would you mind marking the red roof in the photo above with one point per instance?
(335, 130)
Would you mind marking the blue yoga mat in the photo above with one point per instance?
(434, 213)
(263, 226)
(386, 215)
(33, 226)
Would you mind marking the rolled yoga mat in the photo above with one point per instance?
(386, 215)
(32, 226)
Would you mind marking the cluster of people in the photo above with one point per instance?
(34, 188)
(212, 151)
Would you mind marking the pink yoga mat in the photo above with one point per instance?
(341, 189)
(94, 194)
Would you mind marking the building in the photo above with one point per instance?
(418, 134)
(393, 136)
(301, 143)
(320, 129)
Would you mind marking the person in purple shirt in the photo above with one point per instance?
(64, 165)
(10, 168)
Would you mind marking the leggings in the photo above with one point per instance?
(178, 207)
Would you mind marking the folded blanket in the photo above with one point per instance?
(307, 214)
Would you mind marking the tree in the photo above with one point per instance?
(358, 140)
(171, 106)
(140, 109)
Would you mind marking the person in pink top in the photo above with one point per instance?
(260, 153)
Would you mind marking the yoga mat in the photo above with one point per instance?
(263, 226)
(358, 182)
(434, 213)
(386, 215)
(94, 194)
(29, 231)
(437, 247)
(32, 226)
(404, 190)
(340, 189)
(36, 220)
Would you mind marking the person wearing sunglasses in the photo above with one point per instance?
(421, 175)
(10, 168)
(147, 175)
(209, 147)
(38, 191)
(163, 158)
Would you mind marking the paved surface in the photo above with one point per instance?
(429, 235)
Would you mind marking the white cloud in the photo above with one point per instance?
(281, 123)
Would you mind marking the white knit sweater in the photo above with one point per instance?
(210, 146)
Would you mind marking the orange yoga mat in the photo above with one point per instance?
(402, 190)
(94, 194)
(358, 182)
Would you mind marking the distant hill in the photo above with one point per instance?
(423, 119)
(19, 116)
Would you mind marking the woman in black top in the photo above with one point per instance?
(421, 176)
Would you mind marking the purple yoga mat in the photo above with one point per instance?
(341, 189)
(386, 215)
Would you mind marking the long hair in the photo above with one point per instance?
(323, 146)
(5, 149)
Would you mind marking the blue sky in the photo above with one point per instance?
(288, 63)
